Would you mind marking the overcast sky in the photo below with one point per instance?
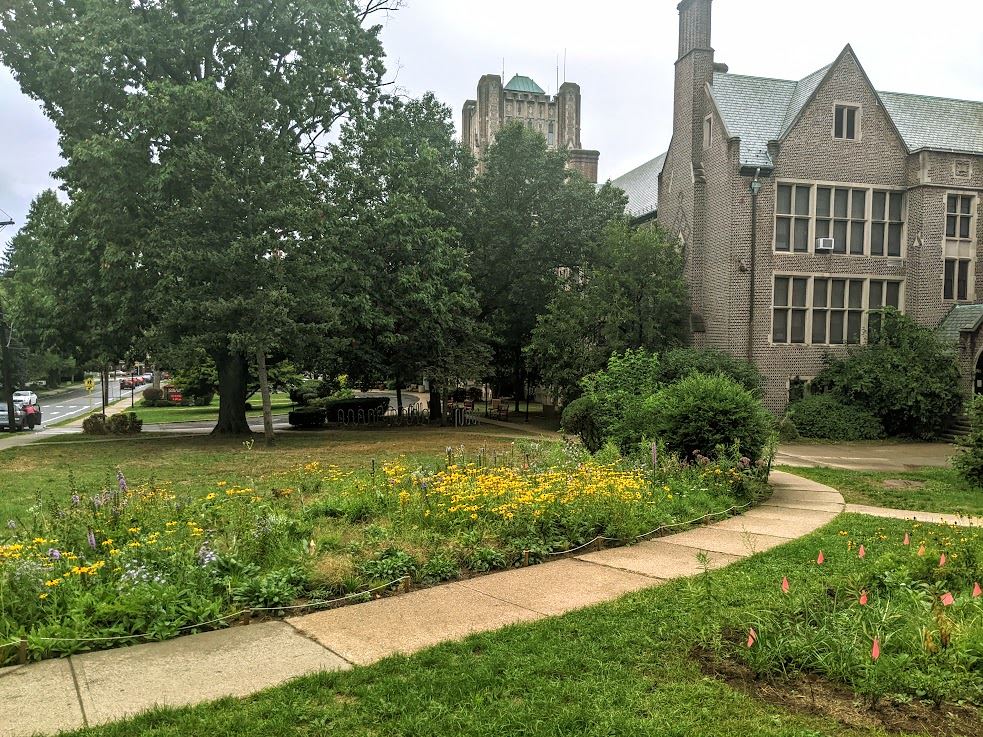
(620, 53)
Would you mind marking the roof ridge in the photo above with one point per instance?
(642, 165)
(754, 76)
(930, 97)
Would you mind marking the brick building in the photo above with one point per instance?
(557, 117)
(803, 204)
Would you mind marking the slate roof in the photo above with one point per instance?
(758, 110)
(641, 185)
(519, 83)
(961, 317)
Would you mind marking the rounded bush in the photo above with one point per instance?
(827, 417)
(681, 362)
(307, 417)
(787, 429)
(702, 412)
(152, 394)
(94, 425)
(580, 418)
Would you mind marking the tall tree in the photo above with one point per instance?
(630, 295)
(533, 220)
(190, 129)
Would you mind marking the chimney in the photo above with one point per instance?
(694, 26)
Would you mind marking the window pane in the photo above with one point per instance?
(894, 240)
(949, 279)
(858, 204)
(895, 206)
(877, 239)
(952, 203)
(964, 226)
(851, 123)
(877, 203)
(822, 228)
(853, 326)
(819, 287)
(799, 292)
(964, 204)
(801, 234)
(893, 294)
(836, 297)
(873, 326)
(962, 279)
(819, 326)
(856, 293)
(950, 226)
(840, 197)
(876, 296)
(782, 227)
(857, 237)
(839, 236)
(823, 195)
(802, 200)
(838, 123)
(780, 328)
(784, 199)
(781, 291)
(798, 326)
(836, 326)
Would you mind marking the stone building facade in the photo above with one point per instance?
(802, 205)
(557, 117)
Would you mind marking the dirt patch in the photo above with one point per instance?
(809, 694)
(902, 484)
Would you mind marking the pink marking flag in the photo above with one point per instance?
(942, 560)
(862, 553)
(921, 549)
(752, 637)
(977, 591)
(820, 559)
(948, 599)
(863, 598)
(784, 584)
(875, 651)
(907, 540)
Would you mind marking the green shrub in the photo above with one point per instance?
(124, 423)
(906, 376)
(701, 413)
(94, 425)
(152, 394)
(969, 461)
(681, 362)
(342, 410)
(307, 417)
(389, 565)
(788, 430)
(580, 418)
(828, 417)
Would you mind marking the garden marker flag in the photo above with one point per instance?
(862, 553)
(875, 651)
(820, 559)
(752, 637)
(942, 560)
(785, 584)
(921, 549)
(863, 598)
(948, 599)
(977, 591)
(907, 540)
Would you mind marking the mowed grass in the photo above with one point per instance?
(624, 668)
(196, 462)
(928, 489)
(280, 403)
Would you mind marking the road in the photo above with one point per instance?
(77, 401)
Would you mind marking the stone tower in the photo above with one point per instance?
(557, 117)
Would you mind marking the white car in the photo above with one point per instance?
(25, 397)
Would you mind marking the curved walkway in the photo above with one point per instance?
(99, 687)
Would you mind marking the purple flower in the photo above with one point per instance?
(121, 479)
(206, 555)
(97, 501)
(54, 554)
(76, 500)
(91, 537)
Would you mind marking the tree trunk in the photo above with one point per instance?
(436, 413)
(399, 397)
(232, 374)
(264, 389)
(8, 374)
(104, 380)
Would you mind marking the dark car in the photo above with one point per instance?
(20, 418)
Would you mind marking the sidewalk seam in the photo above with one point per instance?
(78, 690)
(313, 639)
(463, 585)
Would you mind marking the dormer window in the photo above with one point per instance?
(845, 122)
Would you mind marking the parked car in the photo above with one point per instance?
(20, 418)
(25, 396)
(126, 383)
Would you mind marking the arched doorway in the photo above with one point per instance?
(978, 375)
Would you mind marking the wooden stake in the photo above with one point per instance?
(406, 584)
(525, 558)
(22, 652)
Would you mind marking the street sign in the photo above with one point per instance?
(89, 384)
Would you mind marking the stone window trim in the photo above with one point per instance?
(846, 121)
(878, 231)
(708, 131)
(812, 309)
(959, 247)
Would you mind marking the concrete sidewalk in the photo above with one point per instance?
(94, 688)
(867, 456)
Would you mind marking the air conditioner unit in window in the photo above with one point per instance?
(825, 244)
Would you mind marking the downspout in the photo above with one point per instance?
(755, 188)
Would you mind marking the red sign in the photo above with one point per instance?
(175, 397)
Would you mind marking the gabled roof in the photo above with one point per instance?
(519, 83)
(641, 185)
(758, 110)
(960, 318)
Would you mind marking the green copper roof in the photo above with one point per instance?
(518, 83)
(959, 319)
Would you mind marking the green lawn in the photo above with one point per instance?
(197, 462)
(630, 667)
(154, 415)
(928, 489)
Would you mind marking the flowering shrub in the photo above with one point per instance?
(88, 569)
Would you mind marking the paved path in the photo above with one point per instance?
(931, 517)
(878, 456)
(94, 688)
